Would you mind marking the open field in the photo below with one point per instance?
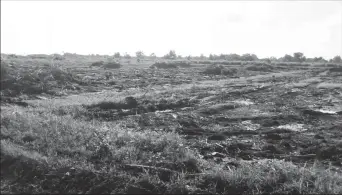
(69, 127)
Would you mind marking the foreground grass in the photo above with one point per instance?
(46, 153)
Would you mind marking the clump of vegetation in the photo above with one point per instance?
(166, 65)
(262, 68)
(204, 62)
(337, 69)
(112, 65)
(109, 64)
(33, 80)
(128, 103)
(219, 70)
(4, 69)
(229, 62)
(272, 176)
(97, 64)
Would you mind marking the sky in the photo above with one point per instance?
(264, 28)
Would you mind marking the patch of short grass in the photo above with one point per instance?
(110, 158)
(272, 176)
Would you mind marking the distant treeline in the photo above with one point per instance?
(295, 57)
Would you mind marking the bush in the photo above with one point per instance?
(4, 69)
(229, 62)
(183, 64)
(219, 70)
(338, 69)
(58, 57)
(262, 68)
(167, 65)
(112, 65)
(97, 63)
(163, 65)
(33, 80)
(204, 62)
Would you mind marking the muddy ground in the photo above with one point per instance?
(249, 117)
(293, 114)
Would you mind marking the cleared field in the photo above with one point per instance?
(178, 130)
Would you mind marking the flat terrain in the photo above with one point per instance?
(182, 131)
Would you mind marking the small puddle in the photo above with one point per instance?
(244, 102)
(293, 127)
(248, 125)
(163, 111)
(326, 111)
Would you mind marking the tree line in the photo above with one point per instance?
(295, 57)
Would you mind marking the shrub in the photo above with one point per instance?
(263, 68)
(163, 65)
(167, 65)
(33, 80)
(97, 63)
(219, 70)
(337, 69)
(183, 64)
(205, 62)
(112, 65)
(4, 69)
(58, 57)
(229, 62)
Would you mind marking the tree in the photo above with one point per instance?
(171, 55)
(249, 57)
(188, 57)
(299, 57)
(273, 59)
(202, 57)
(233, 57)
(287, 58)
(211, 57)
(127, 56)
(153, 55)
(139, 54)
(337, 59)
(179, 57)
(319, 59)
(222, 56)
(117, 55)
(267, 60)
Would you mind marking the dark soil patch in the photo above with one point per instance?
(214, 109)
(264, 120)
(130, 106)
(9, 100)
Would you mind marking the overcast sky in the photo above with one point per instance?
(265, 28)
